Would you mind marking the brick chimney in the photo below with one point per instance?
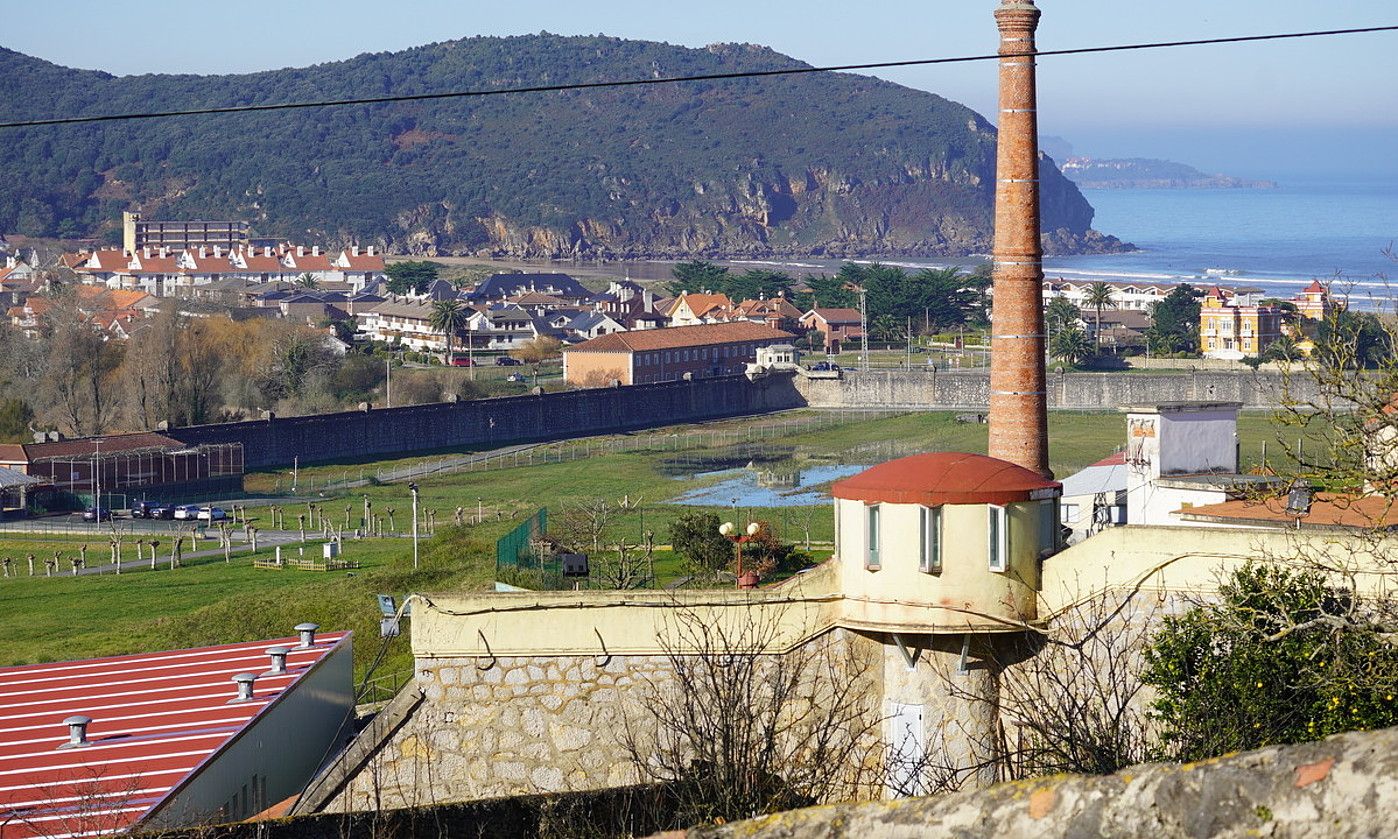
(1018, 401)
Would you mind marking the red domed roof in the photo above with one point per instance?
(946, 478)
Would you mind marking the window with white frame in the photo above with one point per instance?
(998, 541)
(871, 537)
(930, 531)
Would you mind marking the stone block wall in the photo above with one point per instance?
(520, 726)
(527, 725)
(970, 390)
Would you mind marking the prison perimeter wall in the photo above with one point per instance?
(490, 423)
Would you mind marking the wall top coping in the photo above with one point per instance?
(1181, 407)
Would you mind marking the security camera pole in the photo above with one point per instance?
(413, 489)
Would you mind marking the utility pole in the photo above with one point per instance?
(388, 381)
(97, 478)
(910, 342)
(413, 489)
(863, 330)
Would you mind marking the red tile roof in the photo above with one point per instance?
(940, 478)
(680, 337)
(701, 304)
(1314, 288)
(1327, 510)
(156, 718)
(836, 315)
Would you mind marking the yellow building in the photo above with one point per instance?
(1232, 326)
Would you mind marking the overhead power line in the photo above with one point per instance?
(744, 74)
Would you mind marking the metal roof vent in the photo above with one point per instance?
(308, 634)
(77, 731)
(244, 682)
(278, 655)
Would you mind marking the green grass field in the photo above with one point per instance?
(208, 601)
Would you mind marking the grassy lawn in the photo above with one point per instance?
(209, 602)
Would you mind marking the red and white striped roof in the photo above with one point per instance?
(156, 719)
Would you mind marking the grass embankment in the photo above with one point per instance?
(209, 602)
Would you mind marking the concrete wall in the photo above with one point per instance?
(488, 423)
(970, 390)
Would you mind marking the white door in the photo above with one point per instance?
(906, 738)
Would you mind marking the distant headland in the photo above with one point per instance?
(1145, 173)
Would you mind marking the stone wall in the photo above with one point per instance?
(1344, 786)
(970, 390)
(546, 724)
(490, 423)
(519, 726)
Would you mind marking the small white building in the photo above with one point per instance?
(1181, 455)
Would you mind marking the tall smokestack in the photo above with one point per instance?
(1018, 402)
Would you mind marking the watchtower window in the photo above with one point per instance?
(999, 538)
(871, 558)
(930, 531)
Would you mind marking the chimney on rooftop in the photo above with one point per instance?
(315, 250)
(371, 250)
(278, 656)
(1018, 398)
(218, 251)
(267, 250)
(308, 634)
(146, 251)
(244, 681)
(300, 250)
(203, 251)
(77, 731)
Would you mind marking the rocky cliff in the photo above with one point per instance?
(833, 165)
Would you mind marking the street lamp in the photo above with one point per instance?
(730, 532)
(413, 489)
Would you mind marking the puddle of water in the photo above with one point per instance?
(768, 487)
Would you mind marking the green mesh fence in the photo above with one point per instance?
(514, 554)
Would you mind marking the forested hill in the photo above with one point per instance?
(824, 164)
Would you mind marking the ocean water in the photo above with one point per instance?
(1278, 239)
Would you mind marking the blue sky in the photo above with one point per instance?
(1326, 106)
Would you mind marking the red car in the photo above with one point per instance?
(462, 361)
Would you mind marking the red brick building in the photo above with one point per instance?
(662, 355)
(837, 325)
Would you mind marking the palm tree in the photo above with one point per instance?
(307, 280)
(448, 316)
(1099, 296)
(1072, 345)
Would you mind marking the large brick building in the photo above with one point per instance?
(662, 355)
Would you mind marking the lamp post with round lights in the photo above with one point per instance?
(730, 532)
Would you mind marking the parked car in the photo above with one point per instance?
(462, 361)
(97, 514)
(186, 512)
(507, 361)
(161, 511)
(822, 366)
(143, 509)
(212, 514)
